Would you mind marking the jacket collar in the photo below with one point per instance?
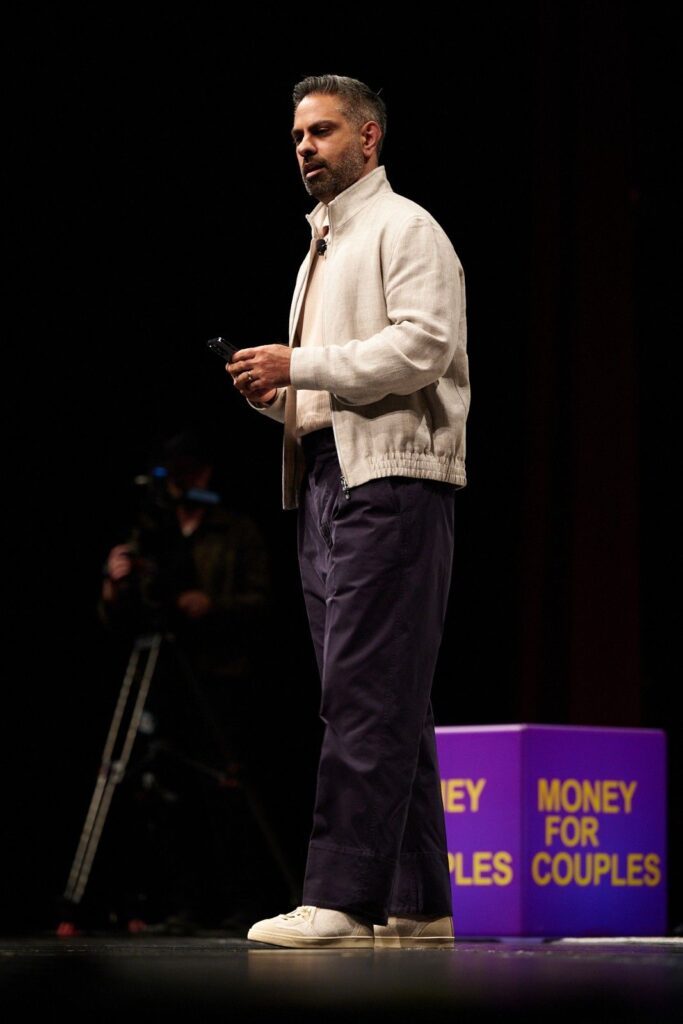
(351, 200)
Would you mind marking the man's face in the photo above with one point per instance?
(329, 148)
(184, 474)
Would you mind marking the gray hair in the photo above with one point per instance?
(359, 102)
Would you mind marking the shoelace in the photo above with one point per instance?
(299, 912)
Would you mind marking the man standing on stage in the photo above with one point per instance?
(373, 391)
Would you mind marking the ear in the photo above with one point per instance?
(370, 134)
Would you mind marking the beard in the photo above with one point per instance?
(335, 178)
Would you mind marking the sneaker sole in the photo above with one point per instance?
(312, 941)
(414, 942)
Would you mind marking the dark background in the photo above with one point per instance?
(155, 202)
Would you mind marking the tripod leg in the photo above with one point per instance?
(152, 644)
(253, 803)
(102, 776)
(259, 816)
(112, 772)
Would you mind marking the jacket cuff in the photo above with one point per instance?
(307, 369)
(276, 406)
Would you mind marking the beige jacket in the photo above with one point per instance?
(393, 353)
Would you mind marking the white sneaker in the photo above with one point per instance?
(414, 932)
(309, 927)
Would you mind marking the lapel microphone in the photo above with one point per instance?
(320, 246)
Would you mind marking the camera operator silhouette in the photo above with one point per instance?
(196, 572)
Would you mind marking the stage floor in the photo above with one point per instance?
(218, 977)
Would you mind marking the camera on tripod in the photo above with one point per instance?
(146, 573)
(187, 589)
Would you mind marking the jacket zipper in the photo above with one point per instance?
(344, 485)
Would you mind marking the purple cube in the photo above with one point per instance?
(555, 830)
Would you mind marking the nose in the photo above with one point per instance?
(306, 147)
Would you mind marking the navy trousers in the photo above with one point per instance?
(376, 568)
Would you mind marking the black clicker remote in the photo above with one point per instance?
(224, 349)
